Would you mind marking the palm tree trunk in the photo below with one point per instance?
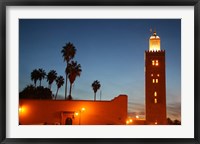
(56, 94)
(66, 88)
(66, 83)
(94, 96)
(40, 83)
(70, 90)
(35, 83)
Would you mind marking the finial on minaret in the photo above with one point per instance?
(154, 32)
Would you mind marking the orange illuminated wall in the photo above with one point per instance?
(155, 86)
(59, 111)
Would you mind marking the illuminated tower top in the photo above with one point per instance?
(154, 42)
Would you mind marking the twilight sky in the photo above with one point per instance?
(109, 50)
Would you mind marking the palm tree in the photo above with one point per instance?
(68, 53)
(74, 70)
(95, 85)
(35, 76)
(42, 74)
(59, 83)
(51, 76)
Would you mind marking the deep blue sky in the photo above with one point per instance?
(109, 50)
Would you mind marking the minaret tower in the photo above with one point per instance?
(155, 83)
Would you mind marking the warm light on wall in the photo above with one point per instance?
(155, 100)
(76, 113)
(156, 80)
(153, 62)
(83, 109)
(79, 113)
(155, 93)
(22, 110)
(129, 121)
(157, 63)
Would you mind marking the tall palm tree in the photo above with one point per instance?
(42, 74)
(59, 83)
(95, 85)
(35, 76)
(74, 70)
(68, 53)
(51, 77)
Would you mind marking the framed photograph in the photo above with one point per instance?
(99, 71)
